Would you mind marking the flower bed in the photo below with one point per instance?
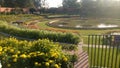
(35, 54)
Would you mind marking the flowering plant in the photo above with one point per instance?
(32, 54)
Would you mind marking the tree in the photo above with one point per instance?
(1, 2)
(9, 3)
(101, 8)
(17, 3)
(24, 3)
(40, 4)
(37, 3)
(90, 7)
(71, 6)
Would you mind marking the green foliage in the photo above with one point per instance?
(71, 7)
(17, 3)
(20, 17)
(68, 46)
(39, 34)
(74, 58)
(100, 8)
(70, 4)
(35, 54)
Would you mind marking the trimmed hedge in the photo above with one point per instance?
(40, 34)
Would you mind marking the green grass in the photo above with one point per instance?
(21, 17)
(83, 33)
(42, 24)
(105, 54)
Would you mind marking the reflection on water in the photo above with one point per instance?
(91, 26)
(106, 26)
(60, 25)
(78, 26)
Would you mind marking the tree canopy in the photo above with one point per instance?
(20, 3)
(103, 8)
(83, 7)
(70, 4)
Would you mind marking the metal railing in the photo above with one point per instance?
(104, 51)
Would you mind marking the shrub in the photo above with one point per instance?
(69, 47)
(35, 54)
(40, 34)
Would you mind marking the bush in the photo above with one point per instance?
(69, 47)
(40, 34)
(35, 54)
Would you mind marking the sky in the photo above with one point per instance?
(57, 3)
(54, 3)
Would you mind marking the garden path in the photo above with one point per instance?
(82, 61)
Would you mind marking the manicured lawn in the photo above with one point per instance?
(82, 33)
(26, 18)
(42, 24)
(100, 57)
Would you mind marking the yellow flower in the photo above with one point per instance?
(39, 54)
(5, 50)
(55, 55)
(56, 66)
(11, 50)
(36, 63)
(28, 56)
(51, 61)
(14, 56)
(0, 48)
(65, 59)
(39, 64)
(0, 53)
(47, 64)
(34, 55)
(3, 58)
(59, 63)
(8, 65)
(42, 53)
(23, 56)
(18, 52)
(15, 60)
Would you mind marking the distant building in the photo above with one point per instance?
(8, 9)
(5, 9)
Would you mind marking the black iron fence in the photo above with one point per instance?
(104, 51)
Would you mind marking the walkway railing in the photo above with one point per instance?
(104, 51)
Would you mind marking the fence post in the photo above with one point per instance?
(103, 51)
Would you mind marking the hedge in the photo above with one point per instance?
(40, 34)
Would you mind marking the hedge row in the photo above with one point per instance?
(40, 34)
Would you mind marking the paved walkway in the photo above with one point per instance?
(82, 61)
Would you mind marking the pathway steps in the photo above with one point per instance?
(82, 61)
